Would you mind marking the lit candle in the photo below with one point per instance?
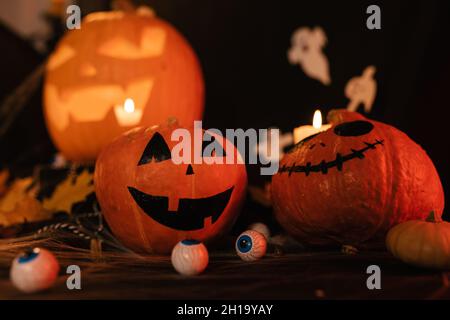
(303, 132)
(127, 115)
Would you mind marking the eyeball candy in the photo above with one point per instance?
(34, 270)
(190, 257)
(261, 228)
(251, 245)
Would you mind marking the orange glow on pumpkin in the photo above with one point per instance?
(117, 56)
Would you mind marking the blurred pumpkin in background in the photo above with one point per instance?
(120, 70)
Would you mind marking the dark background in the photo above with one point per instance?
(242, 46)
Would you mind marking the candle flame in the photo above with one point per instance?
(317, 120)
(129, 106)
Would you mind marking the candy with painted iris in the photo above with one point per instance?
(190, 257)
(251, 245)
(34, 270)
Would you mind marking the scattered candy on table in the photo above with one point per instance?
(34, 270)
(251, 245)
(190, 257)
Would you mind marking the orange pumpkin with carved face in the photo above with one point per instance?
(119, 71)
(151, 203)
(350, 184)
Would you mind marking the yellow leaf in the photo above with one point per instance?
(72, 190)
(19, 204)
(27, 210)
(19, 189)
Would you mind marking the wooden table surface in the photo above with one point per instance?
(303, 275)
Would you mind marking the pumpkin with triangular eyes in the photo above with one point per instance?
(350, 184)
(151, 202)
(119, 71)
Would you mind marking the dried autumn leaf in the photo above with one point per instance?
(27, 210)
(72, 190)
(17, 192)
(19, 204)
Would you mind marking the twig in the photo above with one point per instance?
(14, 103)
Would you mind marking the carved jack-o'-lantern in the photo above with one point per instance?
(350, 184)
(151, 203)
(120, 70)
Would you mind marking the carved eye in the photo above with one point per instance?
(353, 129)
(156, 149)
(62, 54)
(151, 44)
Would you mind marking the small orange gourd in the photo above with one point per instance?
(421, 243)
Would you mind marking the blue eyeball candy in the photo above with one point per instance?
(34, 270)
(190, 257)
(251, 245)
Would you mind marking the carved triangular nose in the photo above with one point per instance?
(189, 170)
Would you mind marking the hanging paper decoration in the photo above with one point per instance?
(362, 90)
(306, 51)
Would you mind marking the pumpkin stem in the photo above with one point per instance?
(337, 116)
(432, 217)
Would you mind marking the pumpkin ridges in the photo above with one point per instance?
(389, 185)
(404, 228)
(359, 203)
(435, 250)
(392, 238)
(421, 243)
(443, 248)
(420, 236)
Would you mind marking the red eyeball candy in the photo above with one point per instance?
(34, 270)
(190, 257)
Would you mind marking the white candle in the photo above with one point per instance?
(127, 115)
(303, 132)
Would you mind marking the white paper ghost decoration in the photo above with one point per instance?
(362, 90)
(306, 51)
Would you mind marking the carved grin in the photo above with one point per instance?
(324, 166)
(191, 213)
